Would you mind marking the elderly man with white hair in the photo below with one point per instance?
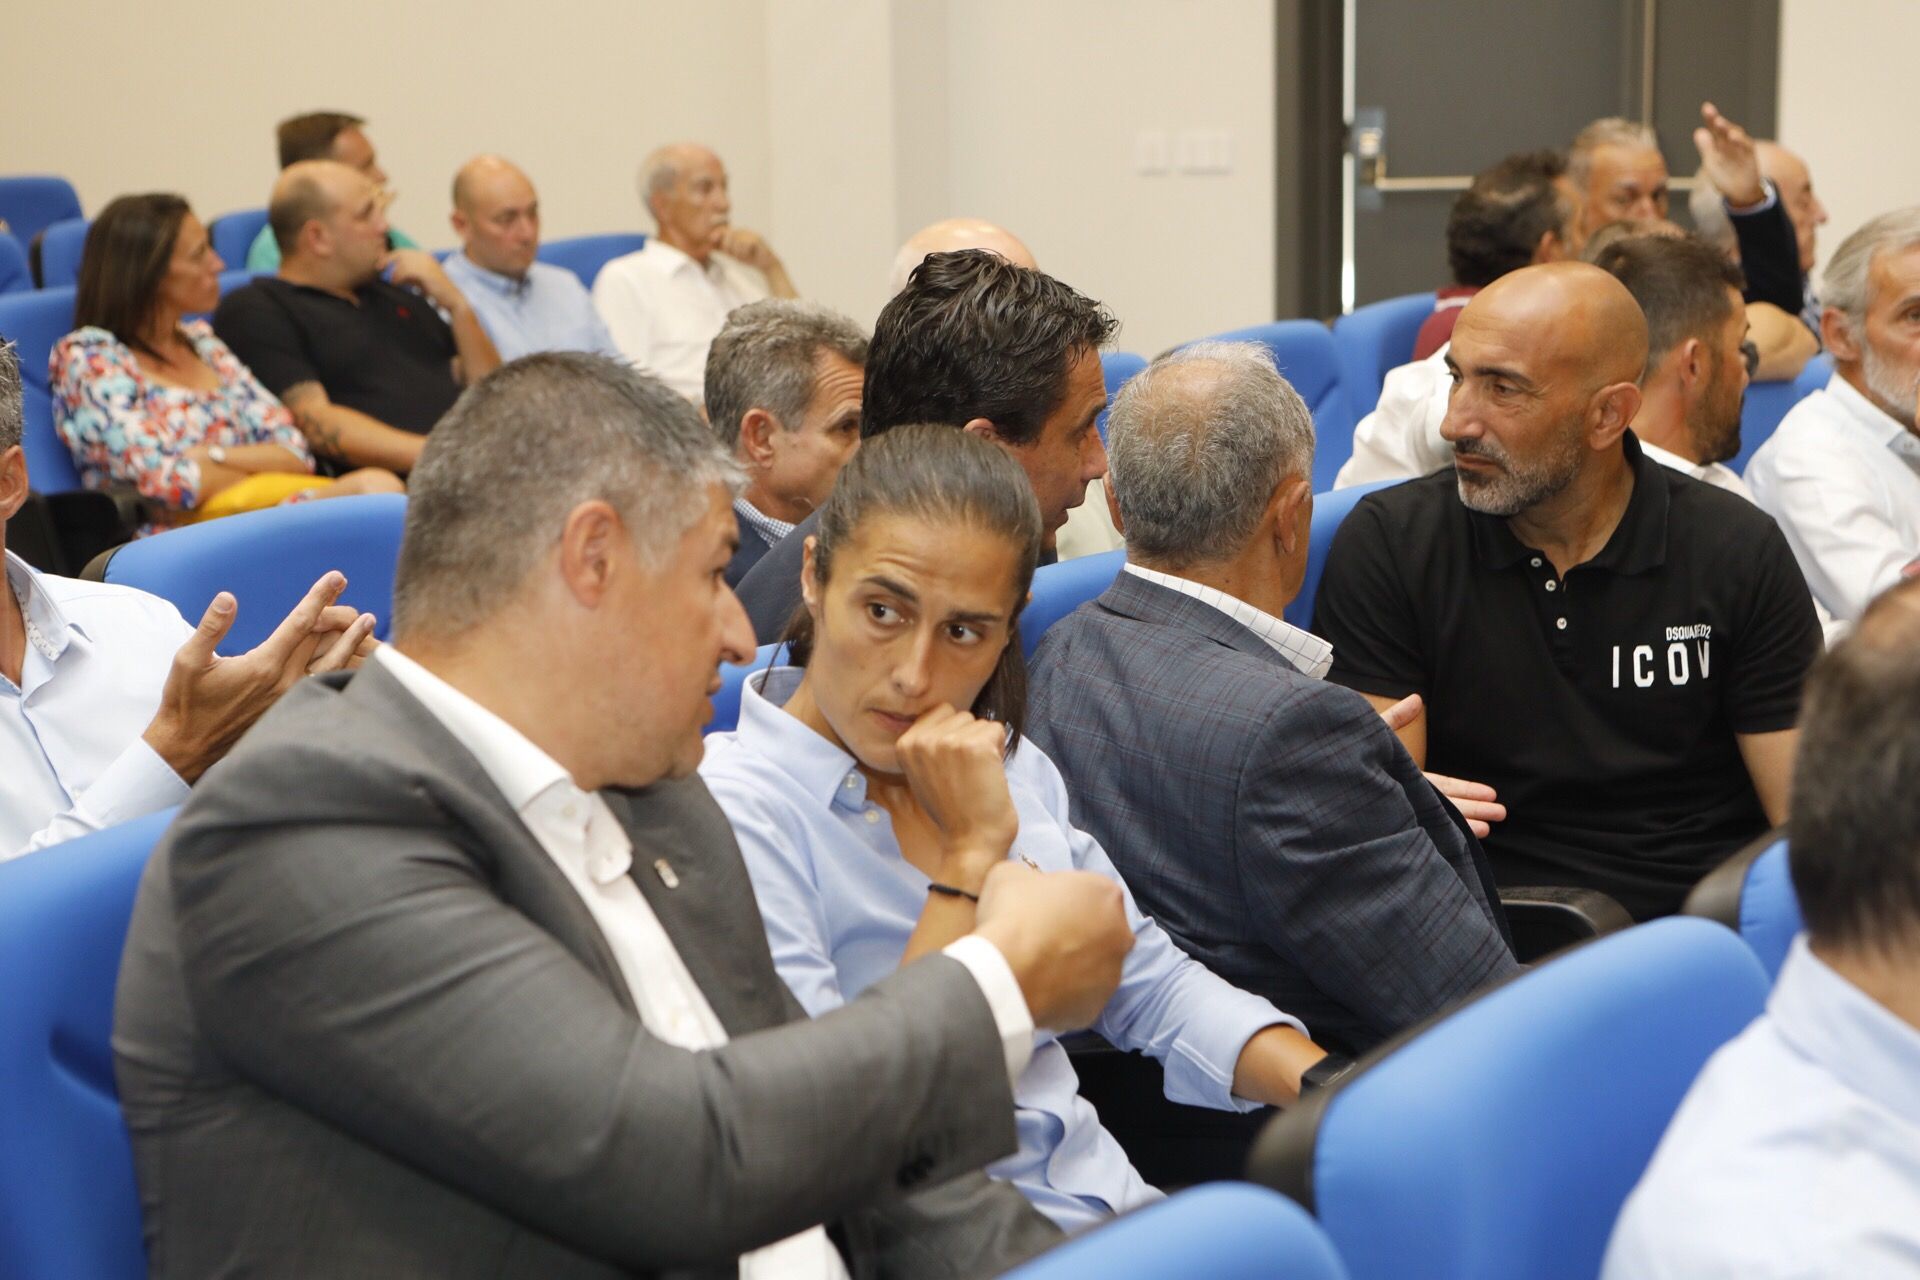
(1842, 472)
(665, 303)
(950, 235)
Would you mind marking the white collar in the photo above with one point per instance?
(47, 627)
(1884, 427)
(1858, 1039)
(1307, 653)
(1673, 461)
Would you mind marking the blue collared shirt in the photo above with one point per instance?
(839, 902)
(547, 310)
(72, 759)
(1796, 1152)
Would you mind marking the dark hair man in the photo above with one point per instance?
(324, 135)
(1615, 648)
(981, 344)
(1793, 1153)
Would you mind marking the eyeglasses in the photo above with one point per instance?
(1752, 355)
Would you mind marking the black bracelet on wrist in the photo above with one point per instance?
(949, 891)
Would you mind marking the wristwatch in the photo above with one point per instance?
(1335, 1066)
(218, 455)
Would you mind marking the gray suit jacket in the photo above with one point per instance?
(1270, 821)
(366, 1028)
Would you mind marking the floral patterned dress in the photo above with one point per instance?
(125, 428)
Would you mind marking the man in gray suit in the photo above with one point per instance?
(452, 968)
(1270, 821)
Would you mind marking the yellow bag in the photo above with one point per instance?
(268, 489)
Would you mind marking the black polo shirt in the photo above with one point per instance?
(387, 354)
(1602, 706)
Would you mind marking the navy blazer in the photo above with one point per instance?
(753, 546)
(1271, 822)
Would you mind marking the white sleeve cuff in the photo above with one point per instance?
(137, 783)
(1004, 997)
(1761, 206)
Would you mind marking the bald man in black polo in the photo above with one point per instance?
(1618, 649)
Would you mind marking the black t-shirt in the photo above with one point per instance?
(1603, 707)
(389, 357)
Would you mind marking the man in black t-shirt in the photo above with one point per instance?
(1618, 649)
(367, 365)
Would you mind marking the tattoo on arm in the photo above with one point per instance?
(307, 401)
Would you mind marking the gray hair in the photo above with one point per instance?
(1608, 131)
(1845, 284)
(657, 175)
(520, 450)
(1709, 210)
(764, 358)
(1194, 463)
(13, 418)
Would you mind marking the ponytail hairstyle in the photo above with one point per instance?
(937, 473)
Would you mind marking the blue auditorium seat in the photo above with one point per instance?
(1223, 1231)
(1500, 1140)
(234, 233)
(1374, 339)
(1752, 893)
(1059, 589)
(35, 321)
(1329, 509)
(30, 204)
(585, 255)
(61, 247)
(268, 559)
(14, 274)
(1116, 367)
(68, 1202)
(726, 703)
(1305, 353)
(1768, 402)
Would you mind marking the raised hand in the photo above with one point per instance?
(1727, 154)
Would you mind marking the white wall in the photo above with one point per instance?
(1844, 69)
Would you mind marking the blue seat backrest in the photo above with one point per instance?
(234, 233)
(726, 703)
(1222, 1231)
(1767, 403)
(1500, 1142)
(1329, 509)
(1059, 589)
(35, 321)
(1770, 909)
(1374, 339)
(269, 558)
(61, 247)
(68, 1203)
(585, 255)
(31, 203)
(1305, 354)
(1116, 367)
(14, 274)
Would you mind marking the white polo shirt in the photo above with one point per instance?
(664, 309)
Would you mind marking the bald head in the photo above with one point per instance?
(496, 214)
(1570, 315)
(309, 191)
(485, 178)
(952, 234)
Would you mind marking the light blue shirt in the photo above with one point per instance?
(548, 310)
(839, 902)
(72, 759)
(1797, 1151)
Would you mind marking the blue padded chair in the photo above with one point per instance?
(35, 321)
(1116, 367)
(1500, 1140)
(268, 559)
(61, 247)
(726, 703)
(1767, 403)
(1223, 1231)
(15, 277)
(234, 233)
(30, 204)
(68, 1203)
(1752, 894)
(1304, 352)
(1059, 589)
(1329, 509)
(1374, 339)
(585, 255)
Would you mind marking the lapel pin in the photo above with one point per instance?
(665, 871)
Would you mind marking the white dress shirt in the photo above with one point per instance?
(1795, 1154)
(1717, 474)
(585, 840)
(664, 309)
(1307, 653)
(1400, 439)
(1842, 477)
(72, 759)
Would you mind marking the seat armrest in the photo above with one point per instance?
(1550, 918)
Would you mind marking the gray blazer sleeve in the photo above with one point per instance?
(1336, 861)
(366, 973)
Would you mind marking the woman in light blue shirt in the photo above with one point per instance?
(871, 808)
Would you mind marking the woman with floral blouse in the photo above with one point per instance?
(145, 397)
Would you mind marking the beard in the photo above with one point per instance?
(1894, 384)
(1714, 424)
(1517, 485)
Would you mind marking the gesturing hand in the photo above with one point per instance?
(955, 765)
(1727, 154)
(208, 701)
(1064, 935)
